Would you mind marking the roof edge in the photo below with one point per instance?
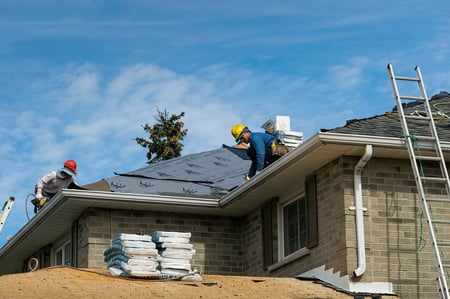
(317, 140)
(101, 196)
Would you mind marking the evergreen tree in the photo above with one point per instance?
(165, 137)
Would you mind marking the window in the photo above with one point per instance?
(294, 226)
(63, 255)
(298, 221)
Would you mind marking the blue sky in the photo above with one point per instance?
(79, 78)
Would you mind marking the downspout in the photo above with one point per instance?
(359, 211)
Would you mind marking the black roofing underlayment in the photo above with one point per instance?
(209, 174)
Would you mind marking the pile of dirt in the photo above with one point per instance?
(67, 282)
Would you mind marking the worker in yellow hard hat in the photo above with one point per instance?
(259, 150)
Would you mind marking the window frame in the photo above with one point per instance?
(66, 257)
(282, 233)
(309, 193)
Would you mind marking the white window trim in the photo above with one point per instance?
(290, 258)
(297, 254)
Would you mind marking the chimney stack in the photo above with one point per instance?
(281, 128)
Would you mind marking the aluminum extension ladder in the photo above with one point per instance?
(417, 158)
(5, 211)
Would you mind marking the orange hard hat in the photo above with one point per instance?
(71, 167)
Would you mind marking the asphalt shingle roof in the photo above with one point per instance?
(388, 124)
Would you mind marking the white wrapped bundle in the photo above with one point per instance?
(132, 256)
(173, 240)
(138, 244)
(177, 253)
(133, 237)
(171, 237)
(174, 263)
(117, 248)
(172, 234)
(175, 245)
(129, 267)
(175, 272)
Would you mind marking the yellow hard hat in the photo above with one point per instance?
(237, 130)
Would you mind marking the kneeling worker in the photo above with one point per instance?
(53, 182)
(261, 148)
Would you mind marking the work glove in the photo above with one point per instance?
(38, 196)
(39, 200)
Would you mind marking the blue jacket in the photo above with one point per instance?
(260, 148)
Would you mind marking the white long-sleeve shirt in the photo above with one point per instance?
(51, 184)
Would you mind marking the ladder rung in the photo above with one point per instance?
(413, 98)
(428, 158)
(426, 138)
(406, 78)
(443, 243)
(445, 265)
(440, 221)
(416, 117)
(438, 200)
(433, 179)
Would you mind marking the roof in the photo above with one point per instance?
(213, 174)
(388, 124)
(209, 174)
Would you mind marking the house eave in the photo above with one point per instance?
(56, 218)
(316, 152)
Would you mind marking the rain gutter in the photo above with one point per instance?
(142, 198)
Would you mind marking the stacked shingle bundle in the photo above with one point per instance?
(132, 256)
(175, 252)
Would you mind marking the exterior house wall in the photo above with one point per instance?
(392, 223)
(217, 240)
(252, 244)
(83, 244)
(394, 228)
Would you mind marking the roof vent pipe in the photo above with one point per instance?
(359, 210)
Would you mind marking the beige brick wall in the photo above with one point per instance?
(392, 223)
(394, 229)
(217, 240)
(252, 245)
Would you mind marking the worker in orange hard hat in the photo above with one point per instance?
(53, 182)
(261, 148)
